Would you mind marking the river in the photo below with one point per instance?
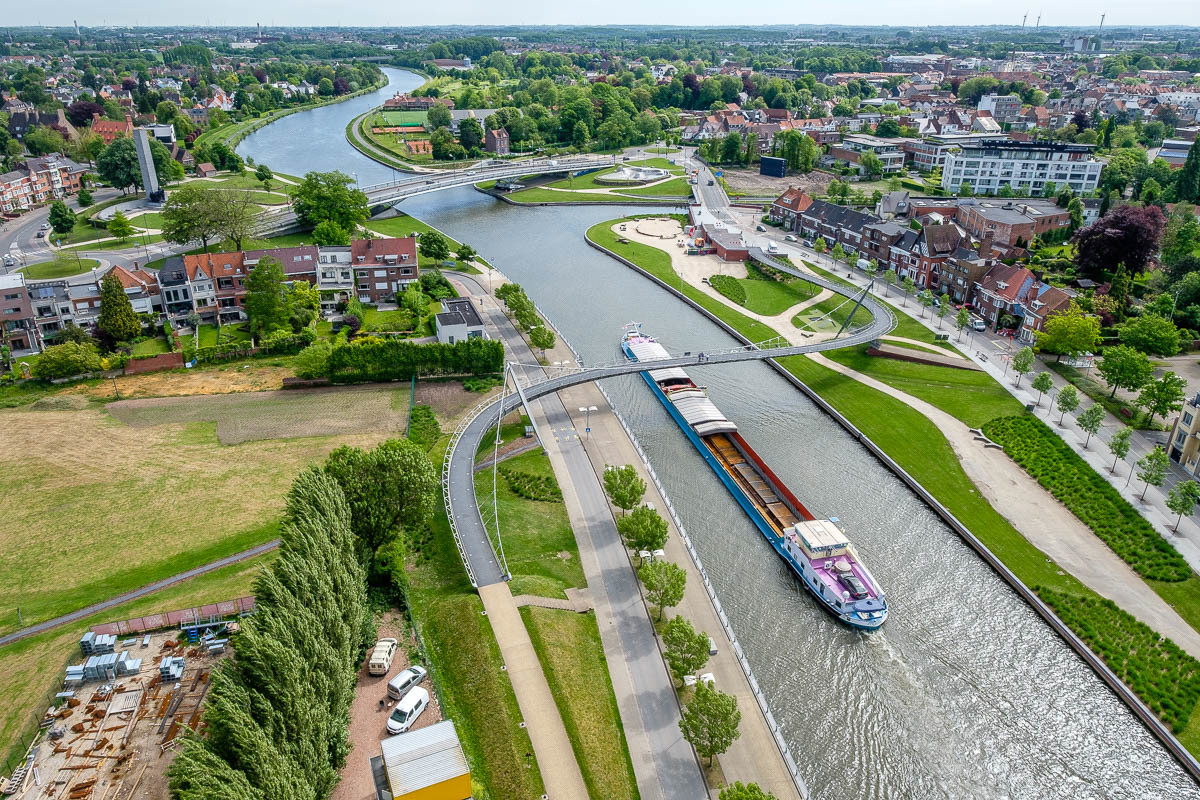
(966, 693)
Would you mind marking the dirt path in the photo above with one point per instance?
(1045, 522)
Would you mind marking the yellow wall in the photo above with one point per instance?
(457, 788)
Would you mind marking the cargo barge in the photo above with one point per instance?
(817, 550)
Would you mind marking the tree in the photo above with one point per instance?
(433, 245)
(1150, 333)
(438, 116)
(414, 301)
(390, 488)
(1123, 367)
(329, 232)
(686, 649)
(1118, 445)
(62, 219)
(664, 582)
(871, 164)
(470, 134)
(1089, 420)
(943, 308)
(238, 215)
(1152, 469)
(643, 529)
(1128, 235)
(120, 227)
(327, 195)
(1075, 210)
(1042, 383)
(1187, 184)
(465, 254)
(265, 305)
(838, 253)
(84, 197)
(1182, 499)
(710, 721)
(66, 360)
(1022, 362)
(1069, 332)
(43, 141)
(118, 166)
(542, 338)
(819, 246)
(264, 175)
(1162, 396)
(889, 280)
(1068, 400)
(623, 486)
(192, 213)
(744, 791)
(908, 285)
(117, 321)
(925, 298)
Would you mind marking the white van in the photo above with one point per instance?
(407, 711)
(381, 657)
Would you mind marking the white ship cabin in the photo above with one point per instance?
(817, 539)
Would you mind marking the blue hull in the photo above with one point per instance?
(760, 522)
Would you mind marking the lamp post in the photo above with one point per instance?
(587, 419)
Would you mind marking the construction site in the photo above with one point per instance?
(112, 732)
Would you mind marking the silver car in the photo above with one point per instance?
(405, 680)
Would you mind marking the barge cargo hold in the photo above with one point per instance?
(817, 550)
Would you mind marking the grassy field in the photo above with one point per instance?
(465, 665)
(33, 667)
(115, 507)
(212, 335)
(569, 649)
(59, 268)
(662, 150)
(404, 117)
(774, 297)
(677, 187)
(538, 195)
(137, 240)
(150, 347)
(83, 231)
(538, 542)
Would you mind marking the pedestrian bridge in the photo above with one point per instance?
(484, 564)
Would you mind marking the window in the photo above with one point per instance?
(382, 285)
(1180, 438)
(12, 296)
(1187, 418)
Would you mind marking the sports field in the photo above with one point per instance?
(415, 118)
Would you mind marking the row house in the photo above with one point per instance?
(53, 304)
(111, 130)
(1012, 221)
(834, 224)
(920, 255)
(788, 206)
(39, 180)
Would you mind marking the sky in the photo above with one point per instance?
(369, 13)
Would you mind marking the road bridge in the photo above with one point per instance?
(484, 563)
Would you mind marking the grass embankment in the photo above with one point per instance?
(539, 195)
(572, 657)
(466, 666)
(539, 545)
(894, 427)
(405, 225)
(59, 269)
(32, 667)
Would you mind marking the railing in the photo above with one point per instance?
(446, 495)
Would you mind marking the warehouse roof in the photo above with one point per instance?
(421, 758)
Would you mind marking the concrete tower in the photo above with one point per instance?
(141, 142)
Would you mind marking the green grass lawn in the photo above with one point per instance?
(465, 665)
(151, 220)
(137, 240)
(569, 649)
(1092, 386)
(585, 181)
(662, 150)
(774, 297)
(539, 545)
(661, 163)
(83, 231)
(151, 347)
(212, 335)
(59, 268)
(405, 225)
(676, 187)
(403, 117)
(539, 195)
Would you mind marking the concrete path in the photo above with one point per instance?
(1044, 521)
(556, 760)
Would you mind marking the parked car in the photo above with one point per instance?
(45, 226)
(381, 657)
(760, 229)
(41, 234)
(9, 261)
(407, 711)
(978, 325)
(789, 238)
(404, 681)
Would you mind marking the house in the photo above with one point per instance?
(425, 764)
(1185, 437)
(164, 134)
(1040, 301)
(183, 156)
(383, 267)
(787, 207)
(920, 255)
(1175, 152)
(1000, 290)
(406, 102)
(496, 141)
(459, 320)
(836, 224)
(889, 151)
(1003, 107)
(16, 314)
(39, 180)
(728, 244)
(141, 287)
(960, 275)
(21, 122)
(110, 130)
(205, 169)
(892, 205)
(198, 116)
(1011, 222)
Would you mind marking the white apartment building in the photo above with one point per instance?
(992, 163)
(1002, 107)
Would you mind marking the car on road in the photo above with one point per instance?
(9, 261)
(978, 325)
(760, 229)
(710, 183)
(405, 680)
(45, 226)
(41, 234)
(789, 238)
(381, 657)
(407, 711)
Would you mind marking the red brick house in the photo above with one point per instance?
(729, 246)
(110, 130)
(383, 267)
(788, 206)
(496, 141)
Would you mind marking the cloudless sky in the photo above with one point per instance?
(369, 13)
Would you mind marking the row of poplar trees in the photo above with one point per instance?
(278, 713)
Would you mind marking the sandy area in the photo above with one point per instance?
(750, 182)
(368, 718)
(1045, 522)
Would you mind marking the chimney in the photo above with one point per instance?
(985, 244)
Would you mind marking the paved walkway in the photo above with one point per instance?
(1044, 521)
(551, 745)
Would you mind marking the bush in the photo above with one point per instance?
(312, 361)
(1088, 496)
(66, 361)
(730, 287)
(423, 427)
(482, 384)
(542, 488)
(375, 359)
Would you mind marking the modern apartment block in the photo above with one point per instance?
(992, 163)
(1185, 437)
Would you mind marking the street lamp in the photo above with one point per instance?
(587, 419)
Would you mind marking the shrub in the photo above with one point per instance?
(730, 287)
(375, 359)
(312, 361)
(532, 487)
(482, 384)
(423, 427)
(66, 361)
(1088, 496)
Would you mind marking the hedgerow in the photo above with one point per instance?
(532, 487)
(423, 427)
(1156, 669)
(730, 287)
(1088, 496)
(377, 359)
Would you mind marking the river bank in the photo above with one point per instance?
(873, 404)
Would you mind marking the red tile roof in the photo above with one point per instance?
(794, 200)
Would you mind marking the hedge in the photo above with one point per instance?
(532, 487)
(275, 344)
(1156, 669)
(423, 427)
(730, 287)
(1088, 496)
(388, 359)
